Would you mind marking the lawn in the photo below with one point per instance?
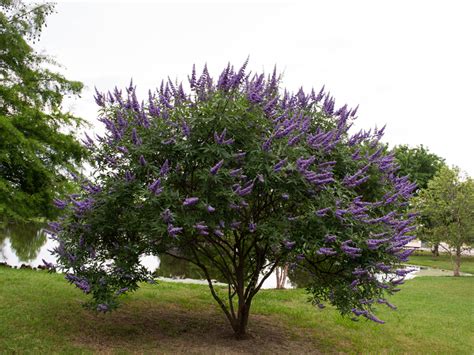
(41, 313)
(443, 261)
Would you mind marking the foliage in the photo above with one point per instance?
(418, 163)
(420, 166)
(448, 202)
(244, 176)
(35, 152)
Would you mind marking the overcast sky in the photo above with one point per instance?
(409, 64)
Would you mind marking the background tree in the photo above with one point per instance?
(36, 153)
(448, 202)
(420, 165)
(243, 176)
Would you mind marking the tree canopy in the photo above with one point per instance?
(37, 150)
(418, 163)
(244, 176)
(448, 203)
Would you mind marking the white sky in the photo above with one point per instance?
(409, 64)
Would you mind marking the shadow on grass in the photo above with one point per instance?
(147, 326)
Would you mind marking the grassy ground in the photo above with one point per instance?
(443, 261)
(41, 313)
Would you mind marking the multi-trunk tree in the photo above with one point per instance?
(243, 176)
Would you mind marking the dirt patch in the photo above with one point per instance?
(171, 329)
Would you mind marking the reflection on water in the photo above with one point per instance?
(23, 243)
(181, 269)
(28, 244)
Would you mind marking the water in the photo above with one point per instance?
(28, 244)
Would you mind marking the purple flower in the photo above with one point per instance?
(80, 207)
(322, 212)
(201, 228)
(359, 272)
(285, 196)
(292, 141)
(234, 206)
(142, 160)
(235, 172)
(60, 203)
(384, 301)
(81, 283)
(165, 168)
(354, 284)
(359, 312)
(267, 144)
(326, 251)
(375, 243)
(167, 216)
(240, 155)
(190, 201)
(216, 167)
(252, 227)
(135, 138)
(280, 165)
(173, 231)
(210, 208)
(49, 265)
(235, 225)
(350, 251)
(383, 267)
(54, 226)
(219, 138)
(122, 290)
(186, 129)
(373, 318)
(218, 232)
(155, 187)
(129, 177)
(289, 244)
(245, 190)
(88, 142)
(303, 164)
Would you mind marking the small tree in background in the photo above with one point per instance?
(35, 152)
(420, 165)
(448, 203)
(243, 176)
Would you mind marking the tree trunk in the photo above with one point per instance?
(457, 261)
(281, 275)
(241, 322)
(435, 249)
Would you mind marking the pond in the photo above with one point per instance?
(28, 244)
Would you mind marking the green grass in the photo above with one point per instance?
(443, 261)
(41, 313)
